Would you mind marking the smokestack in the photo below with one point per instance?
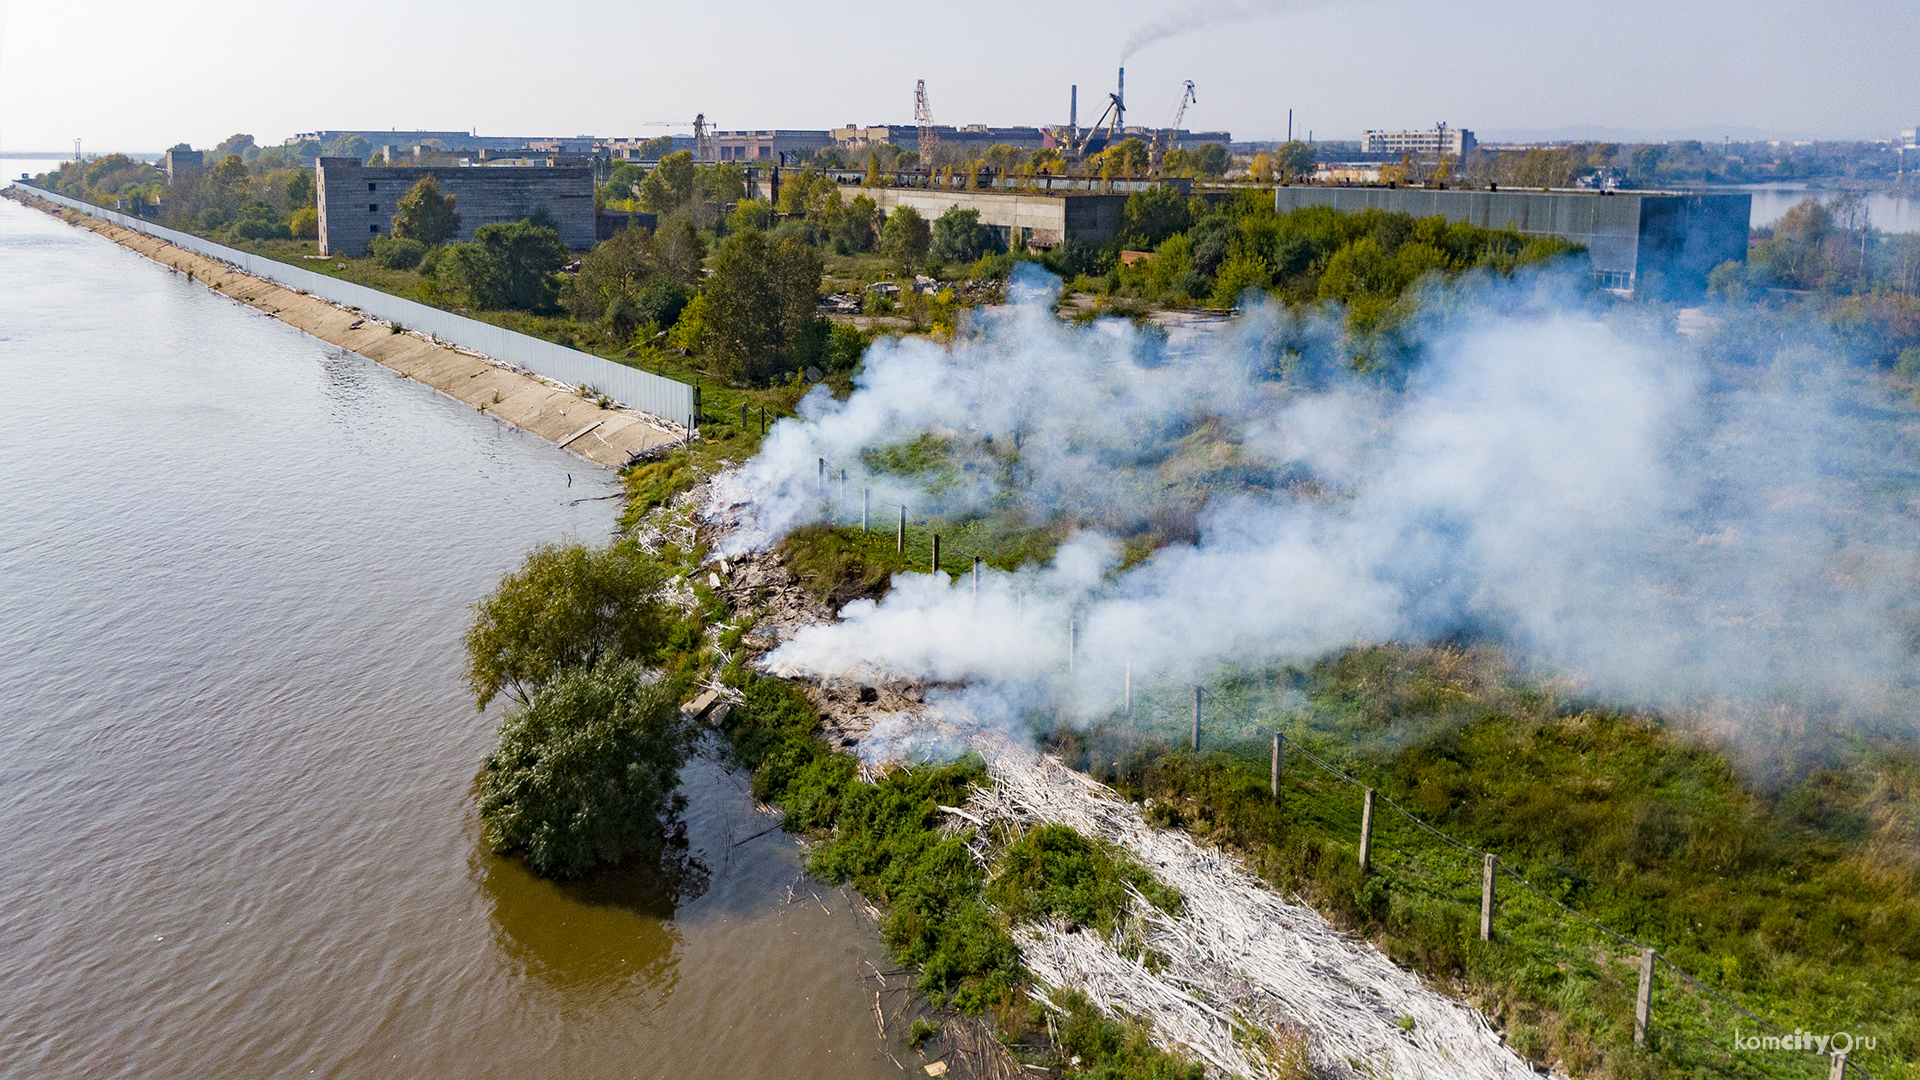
(1073, 109)
(1120, 104)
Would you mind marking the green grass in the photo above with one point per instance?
(1795, 899)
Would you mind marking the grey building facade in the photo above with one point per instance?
(1649, 243)
(357, 203)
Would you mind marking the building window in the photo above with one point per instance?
(373, 208)
(369, 185)
(374, 228)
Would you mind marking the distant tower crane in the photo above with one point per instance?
(702, 138)
(1164, 143)
(923, 115)
(1114, 117)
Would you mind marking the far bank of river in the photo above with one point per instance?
(236, 750)
(1888, 212)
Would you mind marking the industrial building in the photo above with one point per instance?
(1650, 243)
(357, 202)
(1036, 217)
(1433, 142)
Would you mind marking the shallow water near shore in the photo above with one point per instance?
(236, 752)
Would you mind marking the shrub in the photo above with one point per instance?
(905, 239)
(508, 265)
(567, 605)
(583, 773)
(396, 252)
(958, 236)
(1054, 872)
(426, 215)
(305, 223)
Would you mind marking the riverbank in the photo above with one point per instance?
(605, 436)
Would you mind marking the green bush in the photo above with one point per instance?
(1053, 872)
(396, 252)
(511, 265)
(584, 772)
(567, 606)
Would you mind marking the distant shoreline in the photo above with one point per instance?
(610, 437)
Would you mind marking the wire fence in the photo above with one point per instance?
(1705, 1055)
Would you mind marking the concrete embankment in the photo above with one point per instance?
(605, 436)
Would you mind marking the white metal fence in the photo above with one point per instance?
(665, 398)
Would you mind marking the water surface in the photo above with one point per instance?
(236, 753)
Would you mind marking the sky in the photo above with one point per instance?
(143, 76)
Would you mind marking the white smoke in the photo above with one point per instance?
(1613, 505)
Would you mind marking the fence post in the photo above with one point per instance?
(976, 577)
(1643, 1002)
(1366, 832)
(900, 538)
(820, 488)
(1274, 779)
(843, 487)
(1196, 716)
(1486, 900)
(763, 419)
(1838, 1070)
(743, 416)
(866, 495)
(936, 554)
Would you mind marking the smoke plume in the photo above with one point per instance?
(1667, 522)
(1201, 16)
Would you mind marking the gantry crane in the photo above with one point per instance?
(923, 115)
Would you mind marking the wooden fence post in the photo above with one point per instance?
(1643, 1002)
(763, 419)
(1486, 901)
(900, 538)
(820, 489)
(1274, 779)
(936, 554)
(843, 487)
(1366, 832)
(743, 416)
(1196, 716)
(1838, 1070)
(976, 576)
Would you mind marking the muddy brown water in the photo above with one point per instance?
(237, 835)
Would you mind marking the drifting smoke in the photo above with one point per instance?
(1201, 16)
(1601, 496)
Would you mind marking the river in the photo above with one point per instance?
(236, 751)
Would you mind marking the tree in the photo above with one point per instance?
(567, 606)
(669, 187)
(680, 249)
(508, 265)
(304, 223)
(905, 239)
(1295, 159)
(1153, 214)
(1129, 157)
(958, 236)
(583, 774)
(233, 144)
(656, 148)
(758, 300)
(857, 228)
(1211, 159)
(426, 215)
(612, 280)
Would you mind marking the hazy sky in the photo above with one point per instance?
(142, 76)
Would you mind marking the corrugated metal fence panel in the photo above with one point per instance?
(665, 398)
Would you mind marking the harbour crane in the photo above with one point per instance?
(923, 115)
(1164, 142)
(1114, 117)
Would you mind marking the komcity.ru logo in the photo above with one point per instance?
(1840, 1042)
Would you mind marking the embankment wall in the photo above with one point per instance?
(667, 399)
(606, 436)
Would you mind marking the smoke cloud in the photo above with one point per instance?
(1666, 522)
(1201, 16)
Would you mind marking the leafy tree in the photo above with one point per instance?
(508, 265)
(656, 148)
(760, 296)
(670, 186)
(1239, 273)
(680, 249)
(608, 286)
(567, 606)
(426, 215)
(623, 183)
(905, 239)
(958, 236)
(1153, 214)
(1128, 157)
(751, 214)
(258, 220)
(1295, 160)
(584, 772)
(239, 145)
(1211, 159)
(857, 228)
(304, 223)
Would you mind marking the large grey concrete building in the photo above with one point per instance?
(1435, 141)
(1035, 218)
(1651, 243)
(357, 202)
